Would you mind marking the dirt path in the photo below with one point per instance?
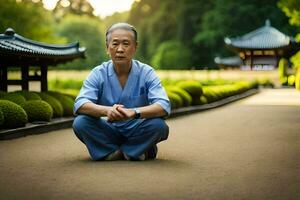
(245, 150)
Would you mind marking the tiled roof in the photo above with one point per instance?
(14, 44)
(266, 37)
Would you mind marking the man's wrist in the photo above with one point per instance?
(137, 113)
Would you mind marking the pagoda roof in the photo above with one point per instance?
(266, 37)
(18, 50)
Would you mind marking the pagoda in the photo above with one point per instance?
(20, 52)
(262, 48)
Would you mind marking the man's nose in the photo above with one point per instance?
(120, 48)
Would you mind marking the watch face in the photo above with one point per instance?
(137, 113)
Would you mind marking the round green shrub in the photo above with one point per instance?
(194, 88)
(291, 80)
(1, 118)
(185, 96)
(14, 97)
(203, 100)
(29, 95)
(66, 102)
(57, 108)
(176, 101)
(14, 115)
(2, 93)
(38, 110)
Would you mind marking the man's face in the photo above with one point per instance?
(121, 47)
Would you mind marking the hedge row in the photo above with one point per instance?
(19, 107)
(185, 93)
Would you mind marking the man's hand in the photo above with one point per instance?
(113, 114)
(128, 113)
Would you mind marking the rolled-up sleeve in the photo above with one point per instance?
(156, 92)
(89, 91)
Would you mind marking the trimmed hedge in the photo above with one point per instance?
(185, 96)
(66, 102)
(194, 88)
(28, 95)
(14, 115)
(14, 97)
(57, 107)
(1, 118)
(175, 100)
(2, 93)
(38, 110)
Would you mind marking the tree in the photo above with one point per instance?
(28, 19)
(76, 7)
(88, 32)
(172, 55)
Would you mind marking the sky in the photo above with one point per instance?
(102, 8)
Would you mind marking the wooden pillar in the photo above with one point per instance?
(44, 81)
(251, 60)
(25, 77)
(3, 78)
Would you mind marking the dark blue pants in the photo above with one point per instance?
(102, 138)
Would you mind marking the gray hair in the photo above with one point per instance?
(123, 26)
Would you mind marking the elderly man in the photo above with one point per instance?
(121, 105)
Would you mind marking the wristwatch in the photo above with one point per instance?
(137, 113)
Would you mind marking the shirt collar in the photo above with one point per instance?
(134, 68)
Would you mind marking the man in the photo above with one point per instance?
(128, 96)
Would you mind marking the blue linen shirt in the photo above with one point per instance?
(142, 88)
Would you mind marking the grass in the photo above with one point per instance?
(70, 81)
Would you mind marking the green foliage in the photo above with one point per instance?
(203, 100)
(28, 19)
(175, 99)
(65, 84)
(88, 32)
(1, 118)
(185, 96)
(14, 115)
(291, 80)
(292, 9)
(28, 95)
(55, 104)
(2, 93)
(172, 55)
(76, 7)
(66, 102)
(297, 79)
(38, 110)
(194, 88)
(14, 97)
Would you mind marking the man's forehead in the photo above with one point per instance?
(122, 34)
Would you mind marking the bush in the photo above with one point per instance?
(66, 102)
(14, 115)
(176, 101)
(2, 93)
(203, 100)
(14, 97)
(1, 118)
(194, 88)
(185, 96)
(57, 107)
(291, 80)
(38, 110)
(28, 95)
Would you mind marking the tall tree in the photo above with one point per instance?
(29, 19)
(76, 7)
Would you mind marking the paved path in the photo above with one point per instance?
(245, 150)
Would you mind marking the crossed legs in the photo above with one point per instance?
(102, 138)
